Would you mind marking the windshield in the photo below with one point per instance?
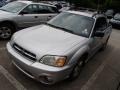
(73, 23)
(13, 7)
(117, 16)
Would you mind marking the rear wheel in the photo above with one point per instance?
(6, 31)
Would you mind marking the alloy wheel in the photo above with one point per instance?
(5, 32)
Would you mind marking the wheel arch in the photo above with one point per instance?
(75, 62)
(81, 52)
(12, 23)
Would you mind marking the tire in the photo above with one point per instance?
(105, 44)
(6, 31)
(77, 69)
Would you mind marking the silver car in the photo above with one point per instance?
(115, 21)
(21, 14)
(60, 48)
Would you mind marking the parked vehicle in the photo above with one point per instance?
(58, 5)
(110, 13)
(22, 14)
(2, 3)
(60, 48)
(64, 9)
(115, 21)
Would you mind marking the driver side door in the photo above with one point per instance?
(101, 25)
(29, 16)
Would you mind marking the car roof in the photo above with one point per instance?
(86, 13)
(31, 2)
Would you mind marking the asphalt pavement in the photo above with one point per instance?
(107, 76)
(102, 72)
(5, 84)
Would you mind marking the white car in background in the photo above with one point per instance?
(22, 14)
(115, 21)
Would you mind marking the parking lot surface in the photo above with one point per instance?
(7, 85)
(88, 76)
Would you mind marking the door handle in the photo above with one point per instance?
(35, 16)
(49, 17)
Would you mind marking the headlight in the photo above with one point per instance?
(57, 61)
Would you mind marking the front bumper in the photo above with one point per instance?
(43, 73)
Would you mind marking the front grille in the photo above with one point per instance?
(24, 52)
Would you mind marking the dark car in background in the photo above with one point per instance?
(2, 3)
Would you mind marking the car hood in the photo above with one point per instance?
(44, 39)
(4, 14)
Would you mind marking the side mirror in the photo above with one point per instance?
(109, 17)
(99, 34)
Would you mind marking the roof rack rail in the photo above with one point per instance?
(98, 12)
(83, 9)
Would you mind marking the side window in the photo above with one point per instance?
(31, 9)
(46, 9)
(53, 10)
(101, 24)
(42, 9)
(39, 9)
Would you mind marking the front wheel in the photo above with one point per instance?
(6, 31)
(77, 69)
(105, 44)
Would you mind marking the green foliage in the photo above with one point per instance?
(103, 4)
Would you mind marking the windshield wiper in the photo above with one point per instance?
(49, 24)
(64, 29)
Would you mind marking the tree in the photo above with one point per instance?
(97, 4)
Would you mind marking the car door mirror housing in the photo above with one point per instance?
(99, 34)
(109, 17)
